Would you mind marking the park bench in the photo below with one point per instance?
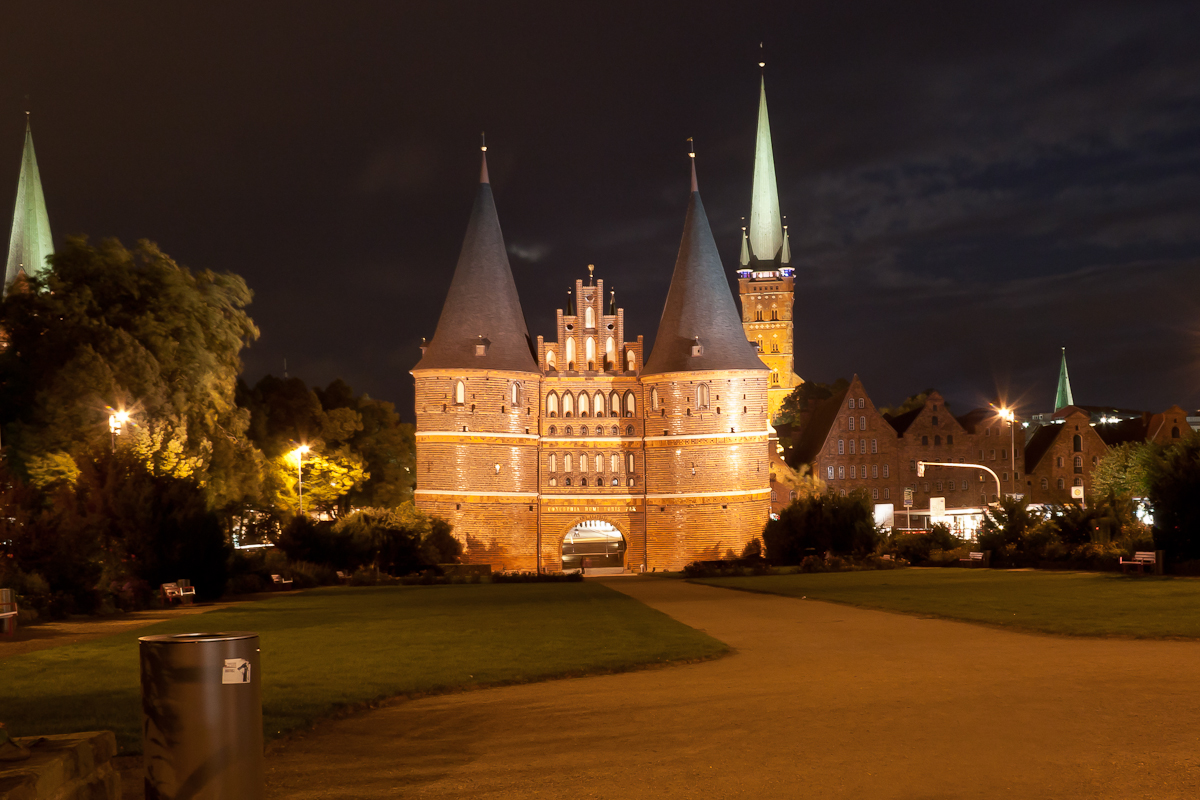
(187, 592)
(1140, 560)
(8, 612)
(975, 559)
(178, 592)
(343, 577)
(281, 582)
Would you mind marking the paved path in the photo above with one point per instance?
(820, 701)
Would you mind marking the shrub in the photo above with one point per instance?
(820, 524)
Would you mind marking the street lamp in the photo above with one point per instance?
(115, 420)
(299, 454)
(1007, 415)
(921, 465)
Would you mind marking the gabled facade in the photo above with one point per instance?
(1061, 455)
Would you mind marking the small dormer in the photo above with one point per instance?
(481, 345)
(697, 348)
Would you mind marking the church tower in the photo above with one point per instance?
(1063, 396)
(707, 471)
(477, 389)
(30, 242)
(765, 274)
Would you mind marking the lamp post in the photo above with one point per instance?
(1008, 415)
(921, 465)
(299, 453)
(115, 420)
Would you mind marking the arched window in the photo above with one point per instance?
(568, 401)
(552, 404)
(1061, 483)
(937, 441)
(629, 462)
(589, 348)
(551, 362)
(583, 404)
(599, 463)
(1077, 444)
(630, 407)
(774, 313)
(583, 430)
(571, 353)
(862, 402)
(1045, 483)
(599, 405)
(1079, 481)
(862, 423)
(568, 431)
(758, 342)
(553, 462)
(553, 430)
(629, 432)
(610, 354)
(583, 481)
(851, 423)
(775, 377)
(702, 395)
(1058, 462)
(616, 431)
(654, 398)
(583, 463)
(589, 318)
(1175, 432)
(567, 482)
(460, 393)
(630, 360)
(774, 347)
(1078, 465)
(567, 463)
(614, 463)
(515, 393)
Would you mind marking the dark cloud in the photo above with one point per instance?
(968, 186)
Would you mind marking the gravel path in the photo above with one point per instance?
(819, 701)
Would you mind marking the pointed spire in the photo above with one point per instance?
(482, 325)
(766, 236)
(744, 257)
(30, 242)
(483, 173)
(700, 327)
(785, 257)
(692, 156)
(612, 302)
(1063, 396)
(570, 304)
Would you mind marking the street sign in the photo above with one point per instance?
(1076, 492)
(908, 498)
(937, 508)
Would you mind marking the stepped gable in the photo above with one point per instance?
(482, 325)
(30, 242)
(700, 308)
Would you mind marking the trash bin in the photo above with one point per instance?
(202, 734)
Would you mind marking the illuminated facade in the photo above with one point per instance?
(578, 450)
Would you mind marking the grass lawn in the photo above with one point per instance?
(1073, 603)
(330, 648)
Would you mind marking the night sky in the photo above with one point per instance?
(967, 190)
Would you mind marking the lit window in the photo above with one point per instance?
(629, 404)
(460, 393)
(702, 396)
(598, 407)
(515, 393)
(552, 404)
(841, 473)
(553, 462)
(829, 472)
(654, 398)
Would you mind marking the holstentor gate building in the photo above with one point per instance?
(544, 453)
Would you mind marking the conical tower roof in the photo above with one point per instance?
(482, 325)
(766, 229)
(700, 308)
(30, 242)
(1063, 396)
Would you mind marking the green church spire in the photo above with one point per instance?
(30, 242)
(1063, 397)
(766, 231)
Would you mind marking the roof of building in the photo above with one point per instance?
(482, 306)
(1122, 431)
(766, 231)
(700, 308)
(901, 422)
(1063, 396)
(816, 429)
(30, 242)
(1038, 444)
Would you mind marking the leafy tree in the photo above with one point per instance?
(804, 396)
(820, 524)
(1006, 525)
(112, 328)
(1122, 472)
(911, 404)
(1173, 475)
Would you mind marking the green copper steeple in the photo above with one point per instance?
(1063, 397)
(766, 230)
(30, 242)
